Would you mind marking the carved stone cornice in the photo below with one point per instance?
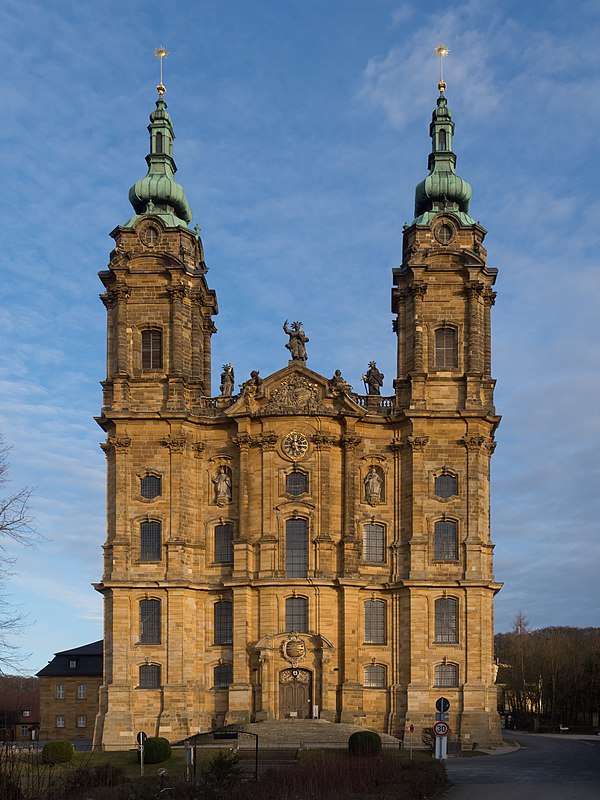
(396, 445)
(323, 442)
(209, 326)
(350, 441)
(472, 443)
(489, 297)
(178, 291)
(198, 449)
(120, 291)
(243, 441)
(491, 446)
(417, 443)
(119, 444)
(266, 441)
(417, 289)
(474, 289)
(176, 444)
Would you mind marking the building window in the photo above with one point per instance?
(150, 676)
(26, 713)
(24, 730)
(296, 548)
(60, 691)
(296, 614)
(446, 351)
(150, 487)
(445, 485)
(159, 142)
(150, 621)
(374, 676)
(73, 663)
(374, 622)
(81, 693)
(224, 544)
(223, 619)
(296, 483)
(446, 675)
(445, 541)
(152, 356)
(150, 541)
(374, 543)
(81, 721)
(446, 630)
(223, 676)
(442, 140)
(60, 721)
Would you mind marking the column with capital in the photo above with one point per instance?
(177, 293)
(418, 290)
(118, 351)
(324, 566)
(350, 543)
(474, 364)
(417, 568)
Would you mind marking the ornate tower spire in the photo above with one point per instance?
(442, 189)
(158, 192)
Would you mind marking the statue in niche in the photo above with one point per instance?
(222, 484)
(373, 486)
(252, 386)
(227, 380)
(297, 342)
(373, 379)
(339, 385)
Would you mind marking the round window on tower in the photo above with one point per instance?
(150, 235)
(444, 233)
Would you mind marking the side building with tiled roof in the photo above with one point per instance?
(69, 693)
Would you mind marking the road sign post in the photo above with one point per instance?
(411, 730)
(141, 740)
(441, 730)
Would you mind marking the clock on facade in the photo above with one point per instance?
(295, 445)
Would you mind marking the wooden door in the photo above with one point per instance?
(295, 694)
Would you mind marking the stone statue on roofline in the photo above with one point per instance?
(373, 379)
(227, 380)
(297, 342)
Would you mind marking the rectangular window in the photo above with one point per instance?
(223, 620)
(446, 675)
(150, 621)
(224, 544)
(446, 352)
(81, 722)
(73, 663)
(445, 541)
(296, 548)
(152, 349)
(60, 691)
(374, 543)
(150, 541)
(374, 622)
(60, 721)
(446, 630)
(24, 730)
(296, 614)
(81, 691)
(374, 677)
(26, 713)
(150, 676)
(223, 676)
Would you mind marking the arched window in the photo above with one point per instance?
(150, 621)
(150, 486)
(150, 541)
(374, 676)
(223, 622)
(296, 614)
(159, 142)
(442, 140)
(152, 357)
(296, 483)
(446, 351)
(445, 541)
(446, 623)
(296, 548)
(446, 675)
(374, 622)
(223, 676)
(445, 485)
(150, 676)
(224, 544)
(374, 543)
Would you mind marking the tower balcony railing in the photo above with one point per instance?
(375, 403)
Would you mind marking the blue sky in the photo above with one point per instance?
(302, 130)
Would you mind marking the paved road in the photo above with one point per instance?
(544, 768)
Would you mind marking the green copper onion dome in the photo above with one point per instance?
(158, 192)
(442, 189)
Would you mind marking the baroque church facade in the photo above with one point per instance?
(297, 549)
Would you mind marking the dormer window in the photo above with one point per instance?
(73, 663)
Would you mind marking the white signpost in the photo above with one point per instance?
(441, 728)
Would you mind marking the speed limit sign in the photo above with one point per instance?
(441, 729)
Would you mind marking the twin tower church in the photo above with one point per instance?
(291, 548)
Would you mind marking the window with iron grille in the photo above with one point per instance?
(81, 693)
(224, 544)
(446, 352)
(152, 356)
(60, 691)
(445, 541)
(150, 621)
(150, 486)
(446, 630)
(445, 485)
(373, 543)
(296, 483)
(296, 548)
(296, 614)
(150, 541)
(374, 676)
(223, 676)
(374, 622)
(446, 675)
(150, 676)
(223, 619)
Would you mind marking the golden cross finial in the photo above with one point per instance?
(441, 52)
(160, 53)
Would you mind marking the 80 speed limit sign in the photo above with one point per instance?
(441, 729)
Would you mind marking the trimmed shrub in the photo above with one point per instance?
(364, 743)
(57, 752)
(156, 750)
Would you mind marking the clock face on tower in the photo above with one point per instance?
(295, 445)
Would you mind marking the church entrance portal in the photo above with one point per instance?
(295, 694)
